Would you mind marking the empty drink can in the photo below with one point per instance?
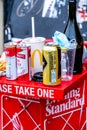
(24, 62)
(51, 64)
(11, 64)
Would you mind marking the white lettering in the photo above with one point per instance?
(16, 89)
(49, 111)
(73, 93)
(25, 90)
(45, 93)
(5, 88)
(70, 104)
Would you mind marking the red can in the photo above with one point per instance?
(24, 62)
(11, 62)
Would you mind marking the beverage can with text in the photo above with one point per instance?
(51, 64)
(11, 61)
(24, 62)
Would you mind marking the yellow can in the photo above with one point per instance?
(51, 64)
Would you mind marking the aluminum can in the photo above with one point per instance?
(24, 62)
(51, 64)
(11, 62)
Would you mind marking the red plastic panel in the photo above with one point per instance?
(20, 113)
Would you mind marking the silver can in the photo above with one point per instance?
(24, 62)
(11, 64)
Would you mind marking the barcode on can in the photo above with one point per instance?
(53, 76)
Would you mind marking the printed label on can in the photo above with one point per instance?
(11, 64)
(51, 65)
(24, 63)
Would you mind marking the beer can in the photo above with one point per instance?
(24, 62)
(51, 64)
(11, 62)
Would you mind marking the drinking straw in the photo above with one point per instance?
(33, 27)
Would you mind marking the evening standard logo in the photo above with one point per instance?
(73, 99)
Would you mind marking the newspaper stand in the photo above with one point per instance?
(35, 106)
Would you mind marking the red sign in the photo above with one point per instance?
(38, 89)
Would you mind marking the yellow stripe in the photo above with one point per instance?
(33, 55)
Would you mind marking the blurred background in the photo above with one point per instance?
(50, 16)
(1, 26)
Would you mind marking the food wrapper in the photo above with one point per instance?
(3, 64)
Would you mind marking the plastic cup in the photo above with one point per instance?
(36, 56)
(84, 51)
(67, 62)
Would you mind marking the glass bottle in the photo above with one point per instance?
(72, 32)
